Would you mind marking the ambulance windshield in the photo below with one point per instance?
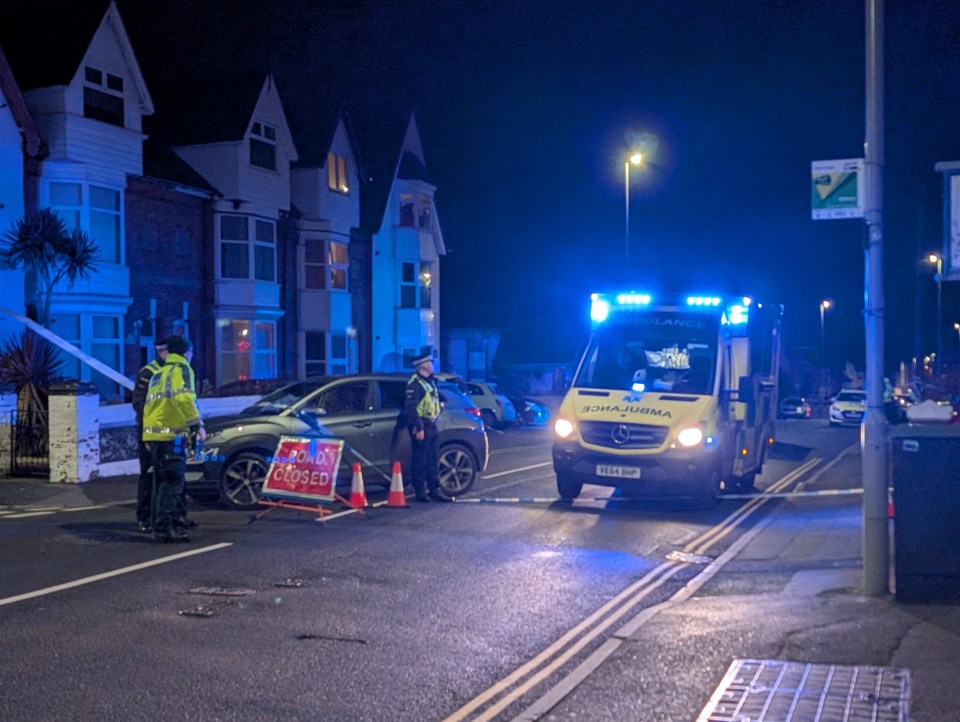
(667, 351)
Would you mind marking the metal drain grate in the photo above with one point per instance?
(768, 690)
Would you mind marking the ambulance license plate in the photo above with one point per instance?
(618, 472)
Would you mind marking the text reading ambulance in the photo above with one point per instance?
(673, 397)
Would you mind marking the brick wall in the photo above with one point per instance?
(170, 255)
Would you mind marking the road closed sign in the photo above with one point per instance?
(837, 188)
(304, 469)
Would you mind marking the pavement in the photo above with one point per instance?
(785, 615)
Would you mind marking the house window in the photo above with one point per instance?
(339, 260)
(263, 146)
(337, 173)
(315, 353)
(102, 96)
(319, 360)
(67, 327)
(96, 209)
(318, 257)
(248, 350)
(314, 270)
(105, 347)
(105, 222)
(264, 251)
(238, 255)
(416, 284)
(406, 210)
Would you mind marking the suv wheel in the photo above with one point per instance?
(489, 418)
(242, 479)
(457, 469)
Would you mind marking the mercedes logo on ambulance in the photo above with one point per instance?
(620, 434)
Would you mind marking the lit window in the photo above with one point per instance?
(337, 173)
(416, 284)
(248, 350)
(339, 261)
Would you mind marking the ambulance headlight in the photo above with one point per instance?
(690, 436)
(563, 427)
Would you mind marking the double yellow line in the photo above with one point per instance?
(538, 669)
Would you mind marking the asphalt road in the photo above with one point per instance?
(462, 611)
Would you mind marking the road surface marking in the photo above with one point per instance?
(538, 669)
(113, 573)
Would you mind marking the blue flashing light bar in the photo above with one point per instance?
(735, 312)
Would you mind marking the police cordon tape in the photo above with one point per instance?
(554, 499)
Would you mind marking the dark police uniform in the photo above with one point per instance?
(145, 481)
(420, 411)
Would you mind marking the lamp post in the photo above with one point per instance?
(935, 259)
(634, 159)
(824, 305)
(956, 327)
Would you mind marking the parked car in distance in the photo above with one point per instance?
(530, 412)
(497, 410)
(361, 409)
(848, 407)
(795, 407)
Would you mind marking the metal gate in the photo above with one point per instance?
(31, 444)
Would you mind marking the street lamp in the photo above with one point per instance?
(935, 259)
(634, 159)
(956, 327)
(824, 305)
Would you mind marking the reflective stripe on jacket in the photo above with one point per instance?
(141, 386)
(422, 401)
(171, 407)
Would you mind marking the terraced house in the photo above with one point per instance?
(282, 249)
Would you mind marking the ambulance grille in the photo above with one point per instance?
(615, 435)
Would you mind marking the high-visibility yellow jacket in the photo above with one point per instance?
(171, 407)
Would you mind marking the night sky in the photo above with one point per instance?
(528, 109)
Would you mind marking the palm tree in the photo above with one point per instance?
(43, 246)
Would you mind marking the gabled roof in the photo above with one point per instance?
(32, 142)
(390, 144)
(46, 42)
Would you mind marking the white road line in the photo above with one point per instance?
(113, 573)
(29, 514)
(514, 471)
(533, 673)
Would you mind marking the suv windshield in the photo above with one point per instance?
(655, 351)
(282, 398)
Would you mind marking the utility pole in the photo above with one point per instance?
(873, 436)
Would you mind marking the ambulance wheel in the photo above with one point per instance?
(707, 493)
(242, 478)
(568, 487)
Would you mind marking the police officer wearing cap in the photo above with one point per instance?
(420, 411)
(145, 481)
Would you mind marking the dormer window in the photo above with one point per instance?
(102, 96)
(337, 173)
(263, 146)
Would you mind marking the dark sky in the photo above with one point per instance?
(527, 110)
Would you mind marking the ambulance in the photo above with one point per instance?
(674, 397)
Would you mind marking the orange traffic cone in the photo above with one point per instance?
(358, 497)
(396, 497)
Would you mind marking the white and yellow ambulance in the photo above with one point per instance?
(673, 397)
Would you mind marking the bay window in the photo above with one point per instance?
(247, 348)
(238, 255)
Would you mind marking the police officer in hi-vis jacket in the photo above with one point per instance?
(420, 412)
(171, 421)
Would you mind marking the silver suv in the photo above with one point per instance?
(360, 409)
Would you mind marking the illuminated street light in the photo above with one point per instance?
(634, 159)
(935, 259)
(824, 305)
(956, 327)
